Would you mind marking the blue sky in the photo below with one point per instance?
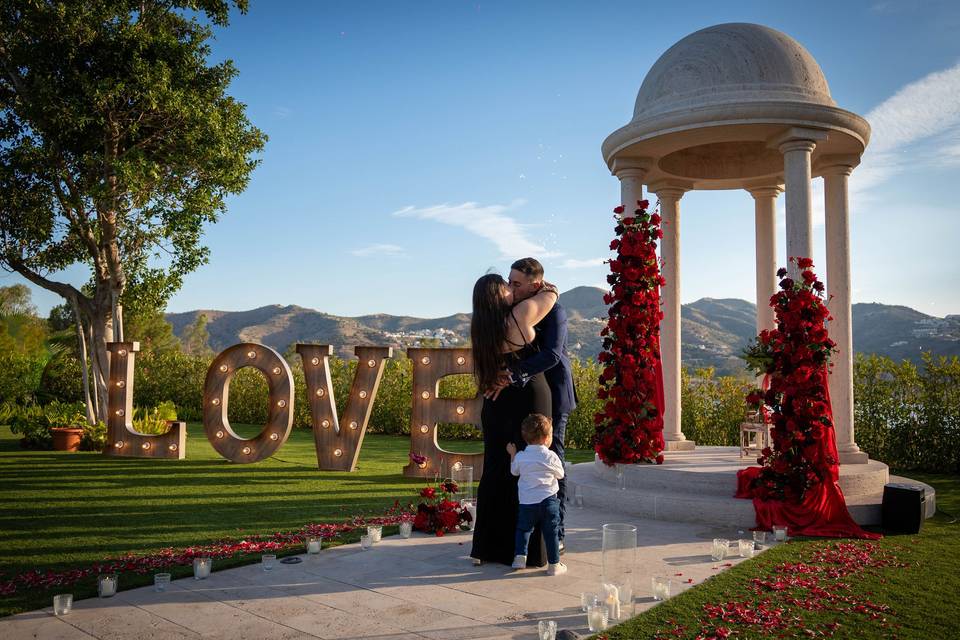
(415, 145)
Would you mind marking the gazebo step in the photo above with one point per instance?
(712, 471)
(691, 504)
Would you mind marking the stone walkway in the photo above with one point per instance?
(424, 587)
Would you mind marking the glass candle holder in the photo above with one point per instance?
(597, 617)
(313, 544)
(547, 630)
(62, 604)
(202, 567)
(471, 507)
(106, 586)
(267, 560)
(463, 476)
(406, 529)
(618, 565)
(720, 546)
(746, 548)
(661, 588)
(161, 581)
(759, 539)
(779, 533)
(588, 599)
(366, 542)
(375, 532)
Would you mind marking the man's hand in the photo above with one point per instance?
(503, 381)
(511, 449)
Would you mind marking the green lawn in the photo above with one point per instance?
(63, 510)
(922, 589)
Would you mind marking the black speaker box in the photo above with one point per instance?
(904, 508)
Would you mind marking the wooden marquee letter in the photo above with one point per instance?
(122, 439)
(338, 448)
(429, 366)
(216, 396)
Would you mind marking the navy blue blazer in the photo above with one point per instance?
(551, 360)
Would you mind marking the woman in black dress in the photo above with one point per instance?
(501, 332)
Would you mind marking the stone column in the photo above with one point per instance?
(765, 225)
(835, 171)
(797, 145)
(630, 172)
(670, 195)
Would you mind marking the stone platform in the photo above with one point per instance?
(698, 486)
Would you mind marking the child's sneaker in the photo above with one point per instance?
(519, 562)
(556, 569)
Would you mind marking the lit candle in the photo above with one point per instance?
(313, 545)
(597, 617)
(661, 588)
(406, 529)
(201, 568)
(746, 548)
(612, 601)
(375, 532)
(106, 586)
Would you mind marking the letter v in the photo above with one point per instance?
(338, 444)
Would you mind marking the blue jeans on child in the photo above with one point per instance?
(546, 513)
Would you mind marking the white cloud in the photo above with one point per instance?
(489, 222)
(573, 263)
(926, 109)
(383, 250)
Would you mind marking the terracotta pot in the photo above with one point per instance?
(66, 438)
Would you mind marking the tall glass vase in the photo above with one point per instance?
(619, 564)
(463, 476)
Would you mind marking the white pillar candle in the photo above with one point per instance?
(313, 545)
(107, 586)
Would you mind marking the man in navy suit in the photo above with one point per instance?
(526, 278)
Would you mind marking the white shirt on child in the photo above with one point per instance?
(539, 470)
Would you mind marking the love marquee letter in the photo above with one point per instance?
(216, 396)
(339, 448)
(122, 439)
(429, 366)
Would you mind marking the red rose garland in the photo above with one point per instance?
(629, 427)
(795, 357)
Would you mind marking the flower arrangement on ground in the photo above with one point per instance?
(439, 512)
(629, 427)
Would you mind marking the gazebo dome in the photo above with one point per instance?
(712, 108)
(731, 63)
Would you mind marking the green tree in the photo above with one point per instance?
(21, 331)
(196, 339)
(118, 143)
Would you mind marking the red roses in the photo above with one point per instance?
(440, 513)
(629, 428)
(795, 357)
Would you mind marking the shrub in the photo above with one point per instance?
(712, 408)
(61, 380)
(33, 423)
(20, 376)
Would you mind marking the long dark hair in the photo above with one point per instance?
(488, 328)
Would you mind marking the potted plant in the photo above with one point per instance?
(66, 426)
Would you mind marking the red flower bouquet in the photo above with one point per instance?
(439, 512)
(629, 427)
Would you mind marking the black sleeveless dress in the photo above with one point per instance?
(497, 500)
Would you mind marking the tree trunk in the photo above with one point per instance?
(81, 338)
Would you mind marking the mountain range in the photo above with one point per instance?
(713, 331)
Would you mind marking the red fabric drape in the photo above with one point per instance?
(823, 510)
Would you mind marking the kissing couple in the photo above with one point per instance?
(519, 337)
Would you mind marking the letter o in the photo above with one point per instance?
(216, 396)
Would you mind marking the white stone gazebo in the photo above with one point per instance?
(742, 106)
(739, 106)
